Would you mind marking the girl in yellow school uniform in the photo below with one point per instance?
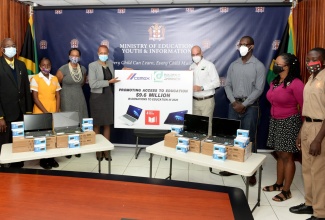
(46, 95)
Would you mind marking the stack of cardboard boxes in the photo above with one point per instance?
(241, 150)
(41, 144)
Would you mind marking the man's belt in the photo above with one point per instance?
(312, 120)
(241, 99)
(203, 98)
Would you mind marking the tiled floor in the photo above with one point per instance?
(124, 163)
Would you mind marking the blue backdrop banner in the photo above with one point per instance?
(161, 39)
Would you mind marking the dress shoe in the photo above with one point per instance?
(315, 218)
(44, 163)
(53, 163)
(252, 180)
(78, 155)
(17, 165)
(69, 157)
(302, 209)
(226, 173)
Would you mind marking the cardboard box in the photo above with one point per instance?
(51, 142)
(18, 132)
(170, 140)
(87, 138)
(220, 147)
(17, 125)
(62, 141)
(176, 128)
(239, 154)
(40, 144)
(195, 146)
(87, 121)
(182, 148)
(219, 156)
(207, 148)
(87, 127)
(242, 133)
(183, 140)
(21, 144)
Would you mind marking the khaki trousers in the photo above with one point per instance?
(313, 169)
(204, 108)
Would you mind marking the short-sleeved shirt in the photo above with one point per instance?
(46, 88)
(314, 97)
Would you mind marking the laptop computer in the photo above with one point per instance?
(195, 126)
(38, 125)
(132, 115)
(66, 123)
(224, 130)
(175, 118)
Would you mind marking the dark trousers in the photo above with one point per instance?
(249, 121)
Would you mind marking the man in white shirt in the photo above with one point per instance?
(205, 81)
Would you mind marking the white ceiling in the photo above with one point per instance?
(136, 2)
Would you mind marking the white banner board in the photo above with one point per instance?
(152, 99)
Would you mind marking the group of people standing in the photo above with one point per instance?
(297, 111)
(49, 96)
(297, 115)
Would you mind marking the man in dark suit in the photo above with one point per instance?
(15, 96)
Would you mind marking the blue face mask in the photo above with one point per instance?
(103, 58)
(74, 60)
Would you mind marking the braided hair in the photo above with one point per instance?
(293, 63)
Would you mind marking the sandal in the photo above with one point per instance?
(275, 187)
(279, 198)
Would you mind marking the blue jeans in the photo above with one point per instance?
(249, 121)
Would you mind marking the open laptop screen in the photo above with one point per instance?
(38, 122)
(175, 118)
(223, 127)
(65, 119)
(134, 111)
(196, 123)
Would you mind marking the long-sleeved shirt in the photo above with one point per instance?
(245, 80)
(285, 101)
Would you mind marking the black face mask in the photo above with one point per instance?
(277, 69)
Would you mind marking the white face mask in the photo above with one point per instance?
(243, 50)
(197, 59)
(10, 52)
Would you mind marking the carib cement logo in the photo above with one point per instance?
(133, 76)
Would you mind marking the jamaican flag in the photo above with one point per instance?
(28, 52)
(287, 45)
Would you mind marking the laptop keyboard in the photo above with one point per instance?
(130, 118)
(68, 130)
(193, 135)
(38, 133)
(223, 140)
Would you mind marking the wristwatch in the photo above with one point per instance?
(202, 88)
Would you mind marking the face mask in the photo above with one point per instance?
(314, 66)
(10, 52)
(197, 59)
(46, 71)
(74, 60)
(277, 69)
(243, 50)
(103, 58)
